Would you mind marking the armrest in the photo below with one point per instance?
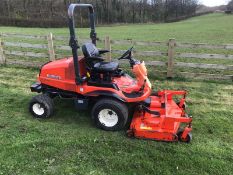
(103, 51)
(96, 58)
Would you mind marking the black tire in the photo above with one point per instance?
(118, 109)
(187, 139)
(44, 104)
(131, 110)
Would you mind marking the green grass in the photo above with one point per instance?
(213, 28)
(68, 143)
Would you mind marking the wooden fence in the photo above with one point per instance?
(170, 63)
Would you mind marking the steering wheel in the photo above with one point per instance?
(127, 54)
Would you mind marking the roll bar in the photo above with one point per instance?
(73, 41)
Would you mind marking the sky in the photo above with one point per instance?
(212, 3)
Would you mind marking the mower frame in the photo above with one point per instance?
(73, 40)
(112, 92)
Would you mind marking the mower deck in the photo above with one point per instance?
(160, 117)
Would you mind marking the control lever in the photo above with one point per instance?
(143, 86)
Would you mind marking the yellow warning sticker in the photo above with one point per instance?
(145, 128)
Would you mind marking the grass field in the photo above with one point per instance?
(213, 28)
(68, 143)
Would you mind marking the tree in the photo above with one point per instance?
(230, 6)
(49, 13)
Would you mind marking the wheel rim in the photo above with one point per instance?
(108, 117)
(38, 109)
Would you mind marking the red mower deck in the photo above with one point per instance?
(161, 118)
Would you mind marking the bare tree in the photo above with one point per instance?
(54, 13)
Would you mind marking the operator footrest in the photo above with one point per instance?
(36, 87)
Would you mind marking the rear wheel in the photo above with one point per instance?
(109, 114)
(41, 106)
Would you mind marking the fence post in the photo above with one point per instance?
(171, 56)
(51, 47)
(108, 47)
(2, 56)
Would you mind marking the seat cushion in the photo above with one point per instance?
(103, 67)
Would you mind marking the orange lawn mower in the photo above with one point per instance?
(91, 81)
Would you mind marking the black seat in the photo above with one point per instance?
(90, 51)
(94, 60)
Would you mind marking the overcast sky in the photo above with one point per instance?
(212, 3)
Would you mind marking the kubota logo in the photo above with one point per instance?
(54, 76)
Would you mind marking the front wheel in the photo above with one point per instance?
(110, 115)
(41, 106)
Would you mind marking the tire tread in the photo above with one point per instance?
(46, 101)
(114, 104)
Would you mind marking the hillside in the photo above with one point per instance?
(212, 28)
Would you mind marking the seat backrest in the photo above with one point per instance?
(89, 50)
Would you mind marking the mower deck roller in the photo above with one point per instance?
(91, 81)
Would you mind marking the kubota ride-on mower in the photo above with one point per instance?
(90, 80)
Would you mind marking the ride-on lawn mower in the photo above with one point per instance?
(89, 80)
